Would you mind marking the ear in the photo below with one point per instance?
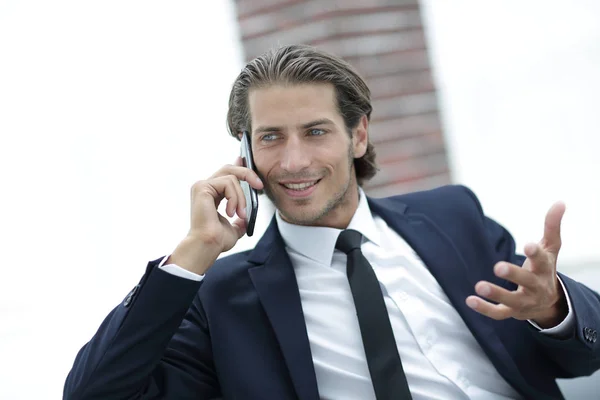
(360, 137)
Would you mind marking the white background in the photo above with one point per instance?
(110, 110)
(518, 86)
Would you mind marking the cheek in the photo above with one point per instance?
(342, 158)
(264, 163)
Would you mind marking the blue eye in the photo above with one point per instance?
(316, 132)
(269, 137)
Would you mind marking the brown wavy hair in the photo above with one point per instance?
(297, 64)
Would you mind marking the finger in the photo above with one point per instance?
(239, 162)
(233, 203)
(240, 226)
(515, 274)
(241, 204)
(225, 187)
(499, 295)
(234, 231)
(242, 174)
(551, 240)
(540, 260)
(205, 198)
(494, 311)
(246, 174)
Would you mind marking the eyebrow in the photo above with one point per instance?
(322, 121)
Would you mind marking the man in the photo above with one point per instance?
(344, 297)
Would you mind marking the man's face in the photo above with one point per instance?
(304, 154)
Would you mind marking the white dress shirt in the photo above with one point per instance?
(440, 356)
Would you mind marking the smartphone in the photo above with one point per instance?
(250, 193)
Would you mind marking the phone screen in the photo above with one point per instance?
(250, 193)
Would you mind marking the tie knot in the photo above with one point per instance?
(348, 240)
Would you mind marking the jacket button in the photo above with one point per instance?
(130, 296)
(591, 335)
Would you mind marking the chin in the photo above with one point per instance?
(298, 216)
(304, 215)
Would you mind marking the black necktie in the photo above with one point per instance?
(384, 362)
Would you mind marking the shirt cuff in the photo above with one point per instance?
(566, 326)
(176, 270)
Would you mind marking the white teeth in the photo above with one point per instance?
(299, 186)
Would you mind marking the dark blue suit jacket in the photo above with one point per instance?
(244, 336)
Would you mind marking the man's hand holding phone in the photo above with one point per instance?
(211, 233)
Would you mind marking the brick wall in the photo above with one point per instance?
(384, 40)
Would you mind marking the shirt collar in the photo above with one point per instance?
(318, 243)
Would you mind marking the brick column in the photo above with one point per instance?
(385, 41)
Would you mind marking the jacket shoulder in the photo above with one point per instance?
(229, 267)
(449, 199)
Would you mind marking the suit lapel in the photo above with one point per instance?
(445, 263)
(275, 282)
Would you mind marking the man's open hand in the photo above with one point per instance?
(539, 296)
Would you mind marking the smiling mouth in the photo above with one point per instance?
(300, 186)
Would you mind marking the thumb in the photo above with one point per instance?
(240, 227)
(551, 240)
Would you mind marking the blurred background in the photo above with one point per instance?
(110, 111)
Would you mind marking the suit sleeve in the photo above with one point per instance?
(154, 342)
(579, 353)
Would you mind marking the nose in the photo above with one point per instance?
(295, 156)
